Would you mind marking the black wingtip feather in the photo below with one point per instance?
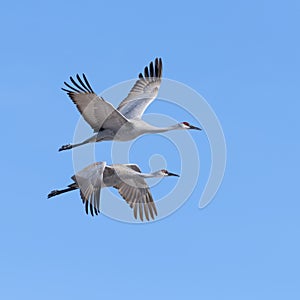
(86, 207)
(77, 85)
(91, 209)
(68, 91)
(72, 88)
(83, 84)
(151, 70)
(146, 72)
(87, 82)
(160, 67)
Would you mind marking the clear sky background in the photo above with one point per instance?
(243, 57)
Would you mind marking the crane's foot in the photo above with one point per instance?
(53, 193)
(65, 147)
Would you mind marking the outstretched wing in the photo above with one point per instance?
(90, 181)
(134, 167)
(143, 92)
(94, 109)
(137, 194)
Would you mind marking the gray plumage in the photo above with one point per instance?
(123, 123)
(127, 178)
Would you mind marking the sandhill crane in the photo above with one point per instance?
(127, 178)
(123, 123)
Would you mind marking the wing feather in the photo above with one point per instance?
(87, 83)
(138, 196)
(98, 113)
(133, 167)
(146, 211)
(143, 92)
(90, 181)
(78, 86)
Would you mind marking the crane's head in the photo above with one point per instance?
(186, 125)
(165, 173)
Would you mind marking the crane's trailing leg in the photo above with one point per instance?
(70, 146)
(58, 192)
(65, 147)
(92, 139)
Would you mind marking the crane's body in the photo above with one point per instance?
(123, 123)
(127, 132)
(136, 127)
(127, 178)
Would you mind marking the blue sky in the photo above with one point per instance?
(243, 57)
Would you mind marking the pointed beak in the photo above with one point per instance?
(194, 127)
(172, 174)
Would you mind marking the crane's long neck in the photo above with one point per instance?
(154, 129)
(150, 175)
